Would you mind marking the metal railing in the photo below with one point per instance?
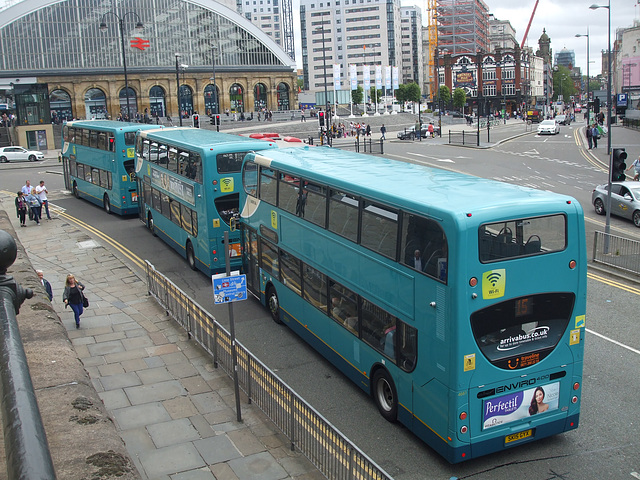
(464, 138)
(631, 123)
(362, 145)
(623, 253)
(330, 451)
(494, 122)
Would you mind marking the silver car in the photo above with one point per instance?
(625, 200)
(16, 154)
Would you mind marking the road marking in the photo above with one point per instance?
(615, 342)
(532, 152)
(446, 160)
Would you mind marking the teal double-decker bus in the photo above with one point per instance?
(98, 163)
(458, 303)
(189, 182)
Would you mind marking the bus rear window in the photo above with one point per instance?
(520, 332)
(522, 237)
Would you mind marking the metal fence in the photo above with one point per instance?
(631, 123)
(464, 138)
(621, 253)
(330, 451)
(362, 145)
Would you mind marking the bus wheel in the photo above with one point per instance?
(191, 258)
(150, 224)
(599, 206)
(106, 203)
(273, 304)
(76, 193)
(384, 394)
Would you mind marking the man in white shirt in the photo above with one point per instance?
(42, 191)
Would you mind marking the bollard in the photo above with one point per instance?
(25, 441)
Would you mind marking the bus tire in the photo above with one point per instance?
(384, 394)
(599, 206)
(106, 203)
(273, 304)
(191, 257)
(76, 193)
(151, 225)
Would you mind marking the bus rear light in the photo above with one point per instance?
(463, 416)
(469, 214)
(576, 386)
(574, 399)
(215, 182)
(214, 251)
(463, 429)
(572, 264)
(473, 281)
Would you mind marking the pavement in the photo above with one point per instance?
(128, 395)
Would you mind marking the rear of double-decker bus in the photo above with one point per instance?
(517, 304)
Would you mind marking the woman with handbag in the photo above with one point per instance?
(74, 297)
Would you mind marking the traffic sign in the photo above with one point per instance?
(229, 289)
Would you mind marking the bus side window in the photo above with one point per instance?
(343, 214)
(250, 179)
(344, 307)
(288, 193)
(184, 166)
(102, 141)
(93, 139)
(197, 166)
(269, 258)
(268, 185)
(407, 342)
(376, 325)
(314, 287)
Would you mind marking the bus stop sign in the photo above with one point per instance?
(229, 289)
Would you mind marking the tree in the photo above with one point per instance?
(357, 95)
(459, 98)
(562, 83)
(413, 92)
(445, 95)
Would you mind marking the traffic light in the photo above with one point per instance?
(321, 119)
(217, 119)
(596, 105)
(196, 121)
(618, 165)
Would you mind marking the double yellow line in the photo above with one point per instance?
(118, 246)
(579, 139)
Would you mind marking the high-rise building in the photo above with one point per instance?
(411, 46)
(463, 26)
(346, 32)
(273, 17)
(501, 34)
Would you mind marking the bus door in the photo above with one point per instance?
(250, 260)
(66, 172)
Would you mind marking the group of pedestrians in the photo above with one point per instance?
(30, 200)
(73, 295)
(593, 134)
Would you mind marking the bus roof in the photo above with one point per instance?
(412, 186)
(188, 136)
(111, 125)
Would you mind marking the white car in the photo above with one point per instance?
(550, 127)
(14, 154)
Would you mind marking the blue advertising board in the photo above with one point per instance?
(229, 289)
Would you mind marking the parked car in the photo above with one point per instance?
(563, 119)
(625, 200)
(16, 154)
(550, 127)
(410, 133)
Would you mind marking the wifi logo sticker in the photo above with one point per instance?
(226, 185)
(493, 283)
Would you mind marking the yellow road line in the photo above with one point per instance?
(613, 283)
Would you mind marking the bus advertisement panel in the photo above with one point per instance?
(429, 289)
(98, 163)
(189, 181)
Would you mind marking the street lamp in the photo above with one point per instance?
(215, 89)
(586, 35)
(607, 227)
(139, 27)
(178, 84)
(324, 81)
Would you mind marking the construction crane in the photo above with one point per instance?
(526, 32)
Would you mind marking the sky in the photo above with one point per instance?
(562, 19)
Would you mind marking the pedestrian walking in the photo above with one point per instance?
(595, 133)
(41, 191)
(74, 297)
(35, 206)
(589, 134)
(21, 209)
(45, 284)
(635, 165)
(383, 131)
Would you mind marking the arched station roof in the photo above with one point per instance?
(63, 37)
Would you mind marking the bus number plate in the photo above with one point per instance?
(518, 436)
